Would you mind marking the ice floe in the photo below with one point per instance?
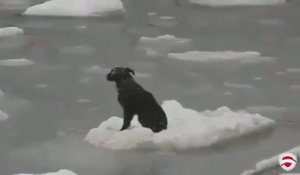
(293, 70)
(162, 44)
(10, 31)
(76, 8)
(269, 163)
(216, 3)
(60, 172)
(210, 56)
(3, 116)
(16, 62)
(238, 85)
(187, 129)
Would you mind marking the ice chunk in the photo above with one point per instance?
(238, 85)
(216, 3)
(269, 163)
(293, 70)
(210, 56)
(187, 129)
(163, 40)
(3, 116)
(76, 8)
(16, 62)
(60, 172)
(10, 31)
(162, 44)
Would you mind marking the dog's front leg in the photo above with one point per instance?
(127, 119)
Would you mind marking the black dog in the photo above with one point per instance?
(137, 101)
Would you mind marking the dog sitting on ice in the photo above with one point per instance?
(135, 100)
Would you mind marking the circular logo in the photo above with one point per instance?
(287, 161)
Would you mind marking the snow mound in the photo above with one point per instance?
(209, 56)
(270, 163)
(216, 3)
(16, 62)
(187, 129)
(10, 31)
(60, 172)
(78, 8)
(3, 116)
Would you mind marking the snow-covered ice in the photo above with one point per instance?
(210, 56)
(269, 163)
(3, 116)
(60, 172)
(10, 31)
(16, 62)
(217, 3)
(187, 129)
(76, 8)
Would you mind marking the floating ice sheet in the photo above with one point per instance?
(162, 44)
(16, 62)
(216, 3)
(217, 56)
(269, 163)
(10, 31)
(3, 116)
(60, 172)
(187, 129)
(76, 8)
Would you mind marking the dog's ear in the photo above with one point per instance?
(130, 70)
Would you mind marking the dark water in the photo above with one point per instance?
(48, 121)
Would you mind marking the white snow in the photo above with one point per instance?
(269, 163)
(60, 172)
(76, 8)
(3, 116)
(216, 3)
(210, 56)
(16, 62)
(10, 31)
(187, 129)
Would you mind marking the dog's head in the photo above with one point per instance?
(120, 73)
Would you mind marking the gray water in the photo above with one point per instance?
(47, 122)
